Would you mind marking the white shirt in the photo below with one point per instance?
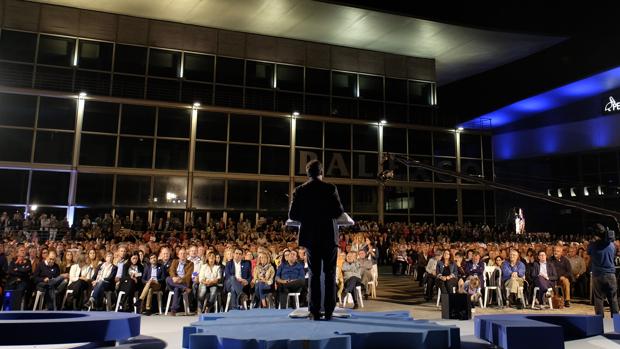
(543, 270)
(237, 270)
(208, 272)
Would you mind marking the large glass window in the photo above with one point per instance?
(420, 92)
(171, 155)
(396, 90)
(259, 74)
(173, 123)
(210, 156)
(396, 112)
(57, 113)
(192, 92)
(49, 188)
(309, 133)
(242, 158)
(242, 195)
(128, 86)
(164, 63)
(470, 145)
(289, 102)
(290, 78)
(444, 144)
(448, 164)
(198, 67)
(420, 142)
(170, 191)
(396, 199)
(17, 110)
(130, 59)
(344, 192)
(317, 105)
(51, 78)
(94, 189)
(275, 160)
(364, 199)
(95, 55)
(17, 46)
(15, 145)
(135, 152)
(337, 136)
(138, 120)
(54, 50)
(344, 107)
(276, 131)
(259, 99)
(365, 137)
(54, 147)
(133, 190)
(421, 200)
(337, 164)
(394, 140)
(16, 75)
(15, 193)
(344, 84)
(163, 89)
(371, 87)
(418, 174)
(100, 117)
(364, 165)
(317, 81)
(473, 202)
(244, 128)
(445, 201)
(229, 71)
(274, 196)
(487, 147)
(92, 82)
(97, 150)
(212, 126)
(228, 96)
(208, 193)
(369, 110)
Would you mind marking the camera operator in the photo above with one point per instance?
(602, 252)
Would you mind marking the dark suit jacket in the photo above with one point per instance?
(246, 270)
(316, 204)
(551, 273)
(146, 275)
(109, 281)
(188, 268)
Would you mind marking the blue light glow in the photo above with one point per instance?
(588, 87)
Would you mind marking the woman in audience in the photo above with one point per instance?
(72, 267)
(461, 273)
(446, 273)
(210, 277)
(88, 266)
(103, 281)
(262, 279)
(131, 279)
(352, 277)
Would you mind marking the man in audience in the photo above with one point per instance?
(180, 279)
(578, 271)
(365, 270)
(564, 271)
(544, 276)
(475, 267)
(290, 277)
(153, 279)
(513, 277)
(47, 278)
(431, 275)
(19, 272)
(238, 277)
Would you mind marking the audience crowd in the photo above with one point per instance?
(206, 265)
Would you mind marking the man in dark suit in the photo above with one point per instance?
(544, 275)
(238, 277)
(153, 279)
(316, 205)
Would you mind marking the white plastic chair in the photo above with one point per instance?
(491, 284)
(520, 296)
(348, 298)
(185, 302)
(296, 296)
(534, 300)
(118, 302)
(64, 299)
(228, 298)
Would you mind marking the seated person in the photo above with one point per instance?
(131, 279)
(446, 273)
(103, 281)
(18, 277)
(83, 283)
(544, 276)
(399, 266)
(262, 280)
(47, 278)
(238, 277)
(513, 276)
(475, 267)
(152, 279)
(564, 271)
(209, 277)
(461, 273)
(352, 276)
(473, 290)
(180, 279)
(365, 270)
(290, 277)
(430, 276)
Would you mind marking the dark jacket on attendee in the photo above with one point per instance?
(316, 214)
(246, 270)
(188, 268)
(551, 271)
(475, 268)
(602, 253)
(45, 271)
(562, 267)
(19, 272)
(451, 268)
(147, 274)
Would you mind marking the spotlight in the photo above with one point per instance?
(33, 207)
(559, 192)
(196, 104)
(460, 128)
(586, 191)
(548, 192)
(572, 192)
(599, 190)
(82, 95)
(383, 122)
(295, 113)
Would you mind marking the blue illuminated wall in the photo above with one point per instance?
(593, 133)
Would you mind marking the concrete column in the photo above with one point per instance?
(77, 140)
(459, 192)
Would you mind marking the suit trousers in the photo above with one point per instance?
(322, 258)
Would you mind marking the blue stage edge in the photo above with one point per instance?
(54, 327)
(394, 330)
(521, 331)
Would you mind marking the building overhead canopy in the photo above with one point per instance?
(459, 51)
